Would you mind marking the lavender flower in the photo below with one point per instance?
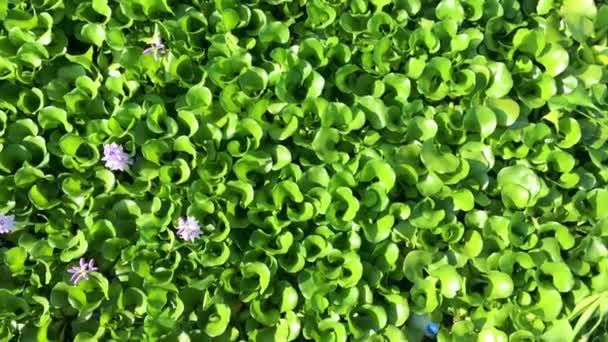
(157, 48)
(115, 157)
(82, 271)
(188, 228)
(7, 223)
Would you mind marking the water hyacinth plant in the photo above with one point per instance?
(314, 170)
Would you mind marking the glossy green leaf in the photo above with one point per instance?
(502, 82)
(480, 119)
(438, 161)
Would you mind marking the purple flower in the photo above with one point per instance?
(7, 223)
(188, 228)
(82, 271)
(157, 48)
(115, 157)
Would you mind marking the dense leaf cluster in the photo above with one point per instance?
(348, 162)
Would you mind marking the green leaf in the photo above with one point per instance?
(480, 119)
(375, 111)
(463, 199)
(422, 129)
(520, 186)
(44, 196)
(430, 185)
(275, 32)
(218, 320)
(93, 33)
(555, 60)
(438, 161)
(570, 132)
(492, 334)
(379, 230)
(28, 175)
(198, 97)
(562, 277)
(51, 117)
(584, 7)
(15, 259)
(502, 81)
(424, 296)
(366, 317)
(544, 6)
(425, 216)
(560, 330)
(500, 285)
(528, 41)
(433, 82)
(450, 9)
(380, 170)
(344, 203)
(101, 7)
(31, 101)
(256, 278)
(16, 306)
(75, 248)
(101, 282)
(153, 150)
(507, 110)
(449, 279)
